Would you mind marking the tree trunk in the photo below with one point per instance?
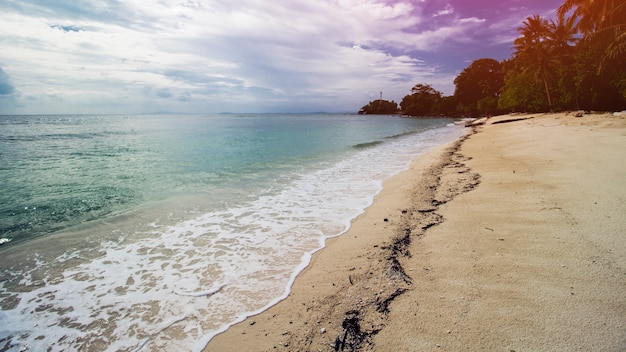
(545, 83)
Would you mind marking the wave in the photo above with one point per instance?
(367, 144)
(198, 270)
(403, 134)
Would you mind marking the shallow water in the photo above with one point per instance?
(158, 232)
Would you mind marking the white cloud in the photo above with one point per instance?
(448, 10)
(209, 56)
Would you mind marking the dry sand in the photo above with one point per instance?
(513, 239)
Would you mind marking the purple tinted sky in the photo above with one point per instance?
(203, 56)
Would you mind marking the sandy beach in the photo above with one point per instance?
(511, 239)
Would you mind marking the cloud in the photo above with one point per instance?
(448, 10)
(164, 93)
(233, 54)
(185, 96)
(6, 88)
(69, 28)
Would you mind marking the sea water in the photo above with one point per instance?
(156, 232)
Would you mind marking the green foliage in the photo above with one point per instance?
(421, 101)
(488, 105)
(379, 107)
(578, 60)
(482, 81)
(522, 94)
(600, 21)
(446, 106)
(570, 63)
(536, 51)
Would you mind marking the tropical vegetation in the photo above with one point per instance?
(380, 107)
(576, 61)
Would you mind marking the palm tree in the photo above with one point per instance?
(600, 20)
(533, 50)
(533, 31)
(544, 45)
(562, 34)
(617, 27)
(593, 15)
(617, 48)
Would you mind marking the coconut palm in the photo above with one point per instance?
(617, 48)
(533, 30)
(534, 52)
(603, 21)
(592, 14)
(562, 34)
(544, 45)
(617, 27)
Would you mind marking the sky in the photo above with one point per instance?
(212, 56)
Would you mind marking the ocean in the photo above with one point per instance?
(157, 232)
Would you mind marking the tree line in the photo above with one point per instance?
(576, 61)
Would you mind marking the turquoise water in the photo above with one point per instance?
(117, 229)
(58, 171)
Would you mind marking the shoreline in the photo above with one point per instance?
(162, 264)
(515, 264)
(340, 277)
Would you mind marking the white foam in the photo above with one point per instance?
(201, 293)
(180, 284)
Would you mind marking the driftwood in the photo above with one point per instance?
(476, 122)
(512, 120)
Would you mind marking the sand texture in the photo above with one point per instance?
(512, 239)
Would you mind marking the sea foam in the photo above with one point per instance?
(178, 283)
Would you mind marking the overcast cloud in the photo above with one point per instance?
(202, 56)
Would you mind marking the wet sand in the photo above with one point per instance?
(514, 238)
